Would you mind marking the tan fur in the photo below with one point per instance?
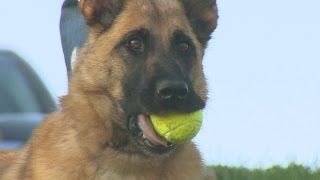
(77, 141)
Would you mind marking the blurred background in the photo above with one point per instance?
(262, 67)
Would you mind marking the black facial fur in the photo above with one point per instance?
(168, 64)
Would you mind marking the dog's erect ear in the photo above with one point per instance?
(203, 17)
(101, 12)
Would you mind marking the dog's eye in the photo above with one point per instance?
(135, 44)
(183, 46)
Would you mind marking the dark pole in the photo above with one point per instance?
(73, 30)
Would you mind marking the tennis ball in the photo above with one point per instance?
(177, 127)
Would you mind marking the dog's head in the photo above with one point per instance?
(146, 57)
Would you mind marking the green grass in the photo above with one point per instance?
(292, 172)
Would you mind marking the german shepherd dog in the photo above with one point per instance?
(141, 57)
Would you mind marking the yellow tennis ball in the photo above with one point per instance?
(177, 127)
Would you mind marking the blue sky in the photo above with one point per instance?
(262, 66)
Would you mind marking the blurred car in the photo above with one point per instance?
(24, 100)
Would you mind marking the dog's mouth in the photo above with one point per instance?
(145, 135)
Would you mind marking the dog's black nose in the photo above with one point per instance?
(168, 89)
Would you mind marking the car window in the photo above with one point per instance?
(21, 90)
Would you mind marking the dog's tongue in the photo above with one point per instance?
(148, 131)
